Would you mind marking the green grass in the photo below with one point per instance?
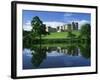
(59, 35)
(77, 33)
(56, 35)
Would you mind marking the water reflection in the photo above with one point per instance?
(58, 55)
(38, 56)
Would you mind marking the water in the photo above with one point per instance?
(54, 56)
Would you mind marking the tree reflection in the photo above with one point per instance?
(72, 50)
(85, 50)
(79, 49)
(38, 55)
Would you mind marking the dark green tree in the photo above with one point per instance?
(85, 31)
(43, 29)
(38, 27)
(36, 24)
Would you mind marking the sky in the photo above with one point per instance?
(54, 19)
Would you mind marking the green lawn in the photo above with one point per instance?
(77, 33)
(59, 35)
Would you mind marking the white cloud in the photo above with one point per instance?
(54, 24)
(68, 14)
(27, 26)
(83, 22)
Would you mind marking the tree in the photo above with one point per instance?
(43, 29)
(85, 31)
(38, 27)
(36, 24)
(71, 35)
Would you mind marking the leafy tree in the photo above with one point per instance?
(38, 27)
(85, 31)
(36, 24)
(43, 29)
(70, 34)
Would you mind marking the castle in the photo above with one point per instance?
(63, 28)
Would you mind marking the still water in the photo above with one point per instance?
(53, 56)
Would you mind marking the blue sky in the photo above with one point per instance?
(54, 18)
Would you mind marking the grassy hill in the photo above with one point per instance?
(59, 35)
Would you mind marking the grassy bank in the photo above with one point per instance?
(60, 40)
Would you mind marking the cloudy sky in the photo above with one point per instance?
(54, 19)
